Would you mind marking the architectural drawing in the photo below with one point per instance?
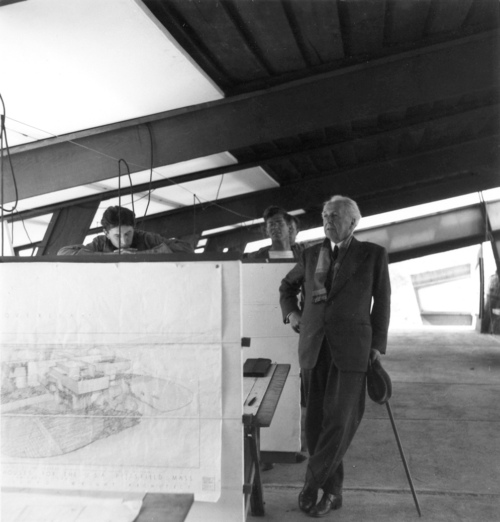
(111, 380)
(57, 406)
(94, 409)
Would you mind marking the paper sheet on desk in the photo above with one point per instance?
(51, 507)
(112, 382)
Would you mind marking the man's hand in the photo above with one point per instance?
(294, 319)
(127, 250)
(374, 355)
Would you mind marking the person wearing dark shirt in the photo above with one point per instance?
(282, 229)
(121, 237)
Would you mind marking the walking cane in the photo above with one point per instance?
(380, 390)
(401, 452)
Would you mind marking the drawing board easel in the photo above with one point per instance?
(101, 305)
(108, 316)
(260, 405)
(270, 338)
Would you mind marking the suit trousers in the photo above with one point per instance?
(335, 406)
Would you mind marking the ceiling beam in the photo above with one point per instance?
(67, 226)
(437, 232)
(135, 189)
(378, 187)
(468, 118)
(417, 77)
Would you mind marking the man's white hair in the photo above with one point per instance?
(349, 205)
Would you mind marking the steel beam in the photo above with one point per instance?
(68, 226)
(379, 187)
(417, 77)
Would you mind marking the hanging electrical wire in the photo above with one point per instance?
(169, 180)
(120, 161)
(487, 228)
(218, 190)
(142, 167)
(3, 136)
(194, 215)
(25, 230)
(148, 126)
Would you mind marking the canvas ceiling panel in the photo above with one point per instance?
(217, 187)
(194, 192)
(59, 196)
(239, 123)
(139, 207)
(169, 171)
(142, 177)
(99, 75)
(493, 209)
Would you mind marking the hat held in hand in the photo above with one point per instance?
(378, 383)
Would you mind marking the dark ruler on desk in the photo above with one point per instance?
(265, 413)
(165, 507)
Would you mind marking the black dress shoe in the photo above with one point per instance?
(328, 502)
(307, 498)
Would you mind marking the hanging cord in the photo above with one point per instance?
(2, 126)
(195, 197)
(194, 215)
(172, 182)
(119, 207)
(130, 181)
(25, 231)
(142, 167)
(120, 161)
(218, 190)
(487, 233)
(148, 126)
(3, 133)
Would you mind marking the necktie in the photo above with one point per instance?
(329, 278)
(335, 254)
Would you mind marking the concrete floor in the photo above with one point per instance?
(446, 392)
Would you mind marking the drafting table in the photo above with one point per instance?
(155, 507)
(261, 399)
(165, 507)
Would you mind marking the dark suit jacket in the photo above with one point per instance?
(351, 324)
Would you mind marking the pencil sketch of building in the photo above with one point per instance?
(60, 404)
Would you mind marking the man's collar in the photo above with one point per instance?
(343, 244)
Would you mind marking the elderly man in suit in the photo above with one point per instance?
(343, 325)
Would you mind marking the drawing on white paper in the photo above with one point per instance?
(122, 417)
(61, 403)
(111, 380)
